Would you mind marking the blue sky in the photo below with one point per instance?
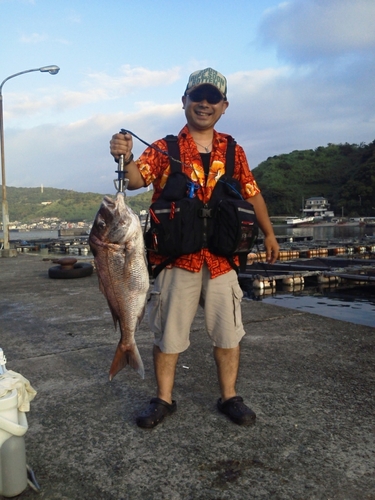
(300, 75)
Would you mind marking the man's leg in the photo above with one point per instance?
(171, 310)
(227, 363)
(221, 298)
(165, 369)
(163, 404)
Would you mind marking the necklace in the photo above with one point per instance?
(206, 148)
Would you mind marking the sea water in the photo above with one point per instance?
(354, 305)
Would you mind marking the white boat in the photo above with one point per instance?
(302, 220)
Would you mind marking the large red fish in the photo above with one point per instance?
(116, 241)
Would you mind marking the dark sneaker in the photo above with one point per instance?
(155, 413)
(237, 411)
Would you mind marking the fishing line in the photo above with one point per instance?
(161, 151)
(152, 146)
(230, 186)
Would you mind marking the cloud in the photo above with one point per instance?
(272, 111)
(253, 81)
(74, 17)
(34, 38)
(30, 2)
(312, 30)
(76, 156)
(95, 88)
(131, 79)
(25, 105)
(63, 41)
(325, 93)
(278, 111)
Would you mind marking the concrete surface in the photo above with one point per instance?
(309, 379)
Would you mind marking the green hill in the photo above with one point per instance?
(29, 205)
(343, 173)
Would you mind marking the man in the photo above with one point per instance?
(199, 278)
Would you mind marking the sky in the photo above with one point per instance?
(301, 74)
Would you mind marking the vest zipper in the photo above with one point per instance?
(205, 227)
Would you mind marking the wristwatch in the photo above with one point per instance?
(126, 162)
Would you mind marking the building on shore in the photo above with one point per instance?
(317, 207)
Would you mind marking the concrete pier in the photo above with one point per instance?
(310, 380)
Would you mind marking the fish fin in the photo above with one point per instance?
(114, 314)
(126, 355)
(101, 286)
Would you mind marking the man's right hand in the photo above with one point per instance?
(121, 144)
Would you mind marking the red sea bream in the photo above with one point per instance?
(116, 241)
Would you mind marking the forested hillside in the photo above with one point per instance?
(29, 204)
(343, 173)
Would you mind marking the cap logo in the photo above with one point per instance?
(210, 76)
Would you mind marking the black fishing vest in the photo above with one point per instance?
(181, 224)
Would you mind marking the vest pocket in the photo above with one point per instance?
(175, 228)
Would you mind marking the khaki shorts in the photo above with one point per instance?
(174, 301)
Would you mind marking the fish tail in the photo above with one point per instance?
(126, 355)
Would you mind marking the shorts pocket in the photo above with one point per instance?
(154, 314)
(237, 295)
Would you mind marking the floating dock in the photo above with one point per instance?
(301, 261)
(74, 231)
(331, 271)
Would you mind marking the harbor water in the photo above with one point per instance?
(352, 304)
(318, 232)
(355, 304)
(31, 235)
(323, 232)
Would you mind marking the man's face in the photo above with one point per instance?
(203, 106)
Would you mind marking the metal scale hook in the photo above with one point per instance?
(121, 183)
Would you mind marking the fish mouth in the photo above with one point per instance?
(109, 201)
(112, 203)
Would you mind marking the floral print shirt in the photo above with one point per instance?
(155, 169)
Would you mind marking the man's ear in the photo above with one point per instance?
(225, 106)
(183, 99)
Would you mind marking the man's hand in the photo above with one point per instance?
(121, 144)
(272, 248)
(270, 241)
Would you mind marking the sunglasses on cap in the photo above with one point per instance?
(208, 94)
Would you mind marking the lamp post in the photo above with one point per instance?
(52, 70)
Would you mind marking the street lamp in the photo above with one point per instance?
(52, 70)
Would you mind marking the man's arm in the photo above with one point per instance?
(270, 242)
(122, 144)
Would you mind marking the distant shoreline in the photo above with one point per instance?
(40, 234)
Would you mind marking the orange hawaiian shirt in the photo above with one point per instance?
(155, 169)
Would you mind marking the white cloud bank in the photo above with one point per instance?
(313, 30)
(324, 93)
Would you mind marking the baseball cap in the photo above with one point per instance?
(207, 76)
